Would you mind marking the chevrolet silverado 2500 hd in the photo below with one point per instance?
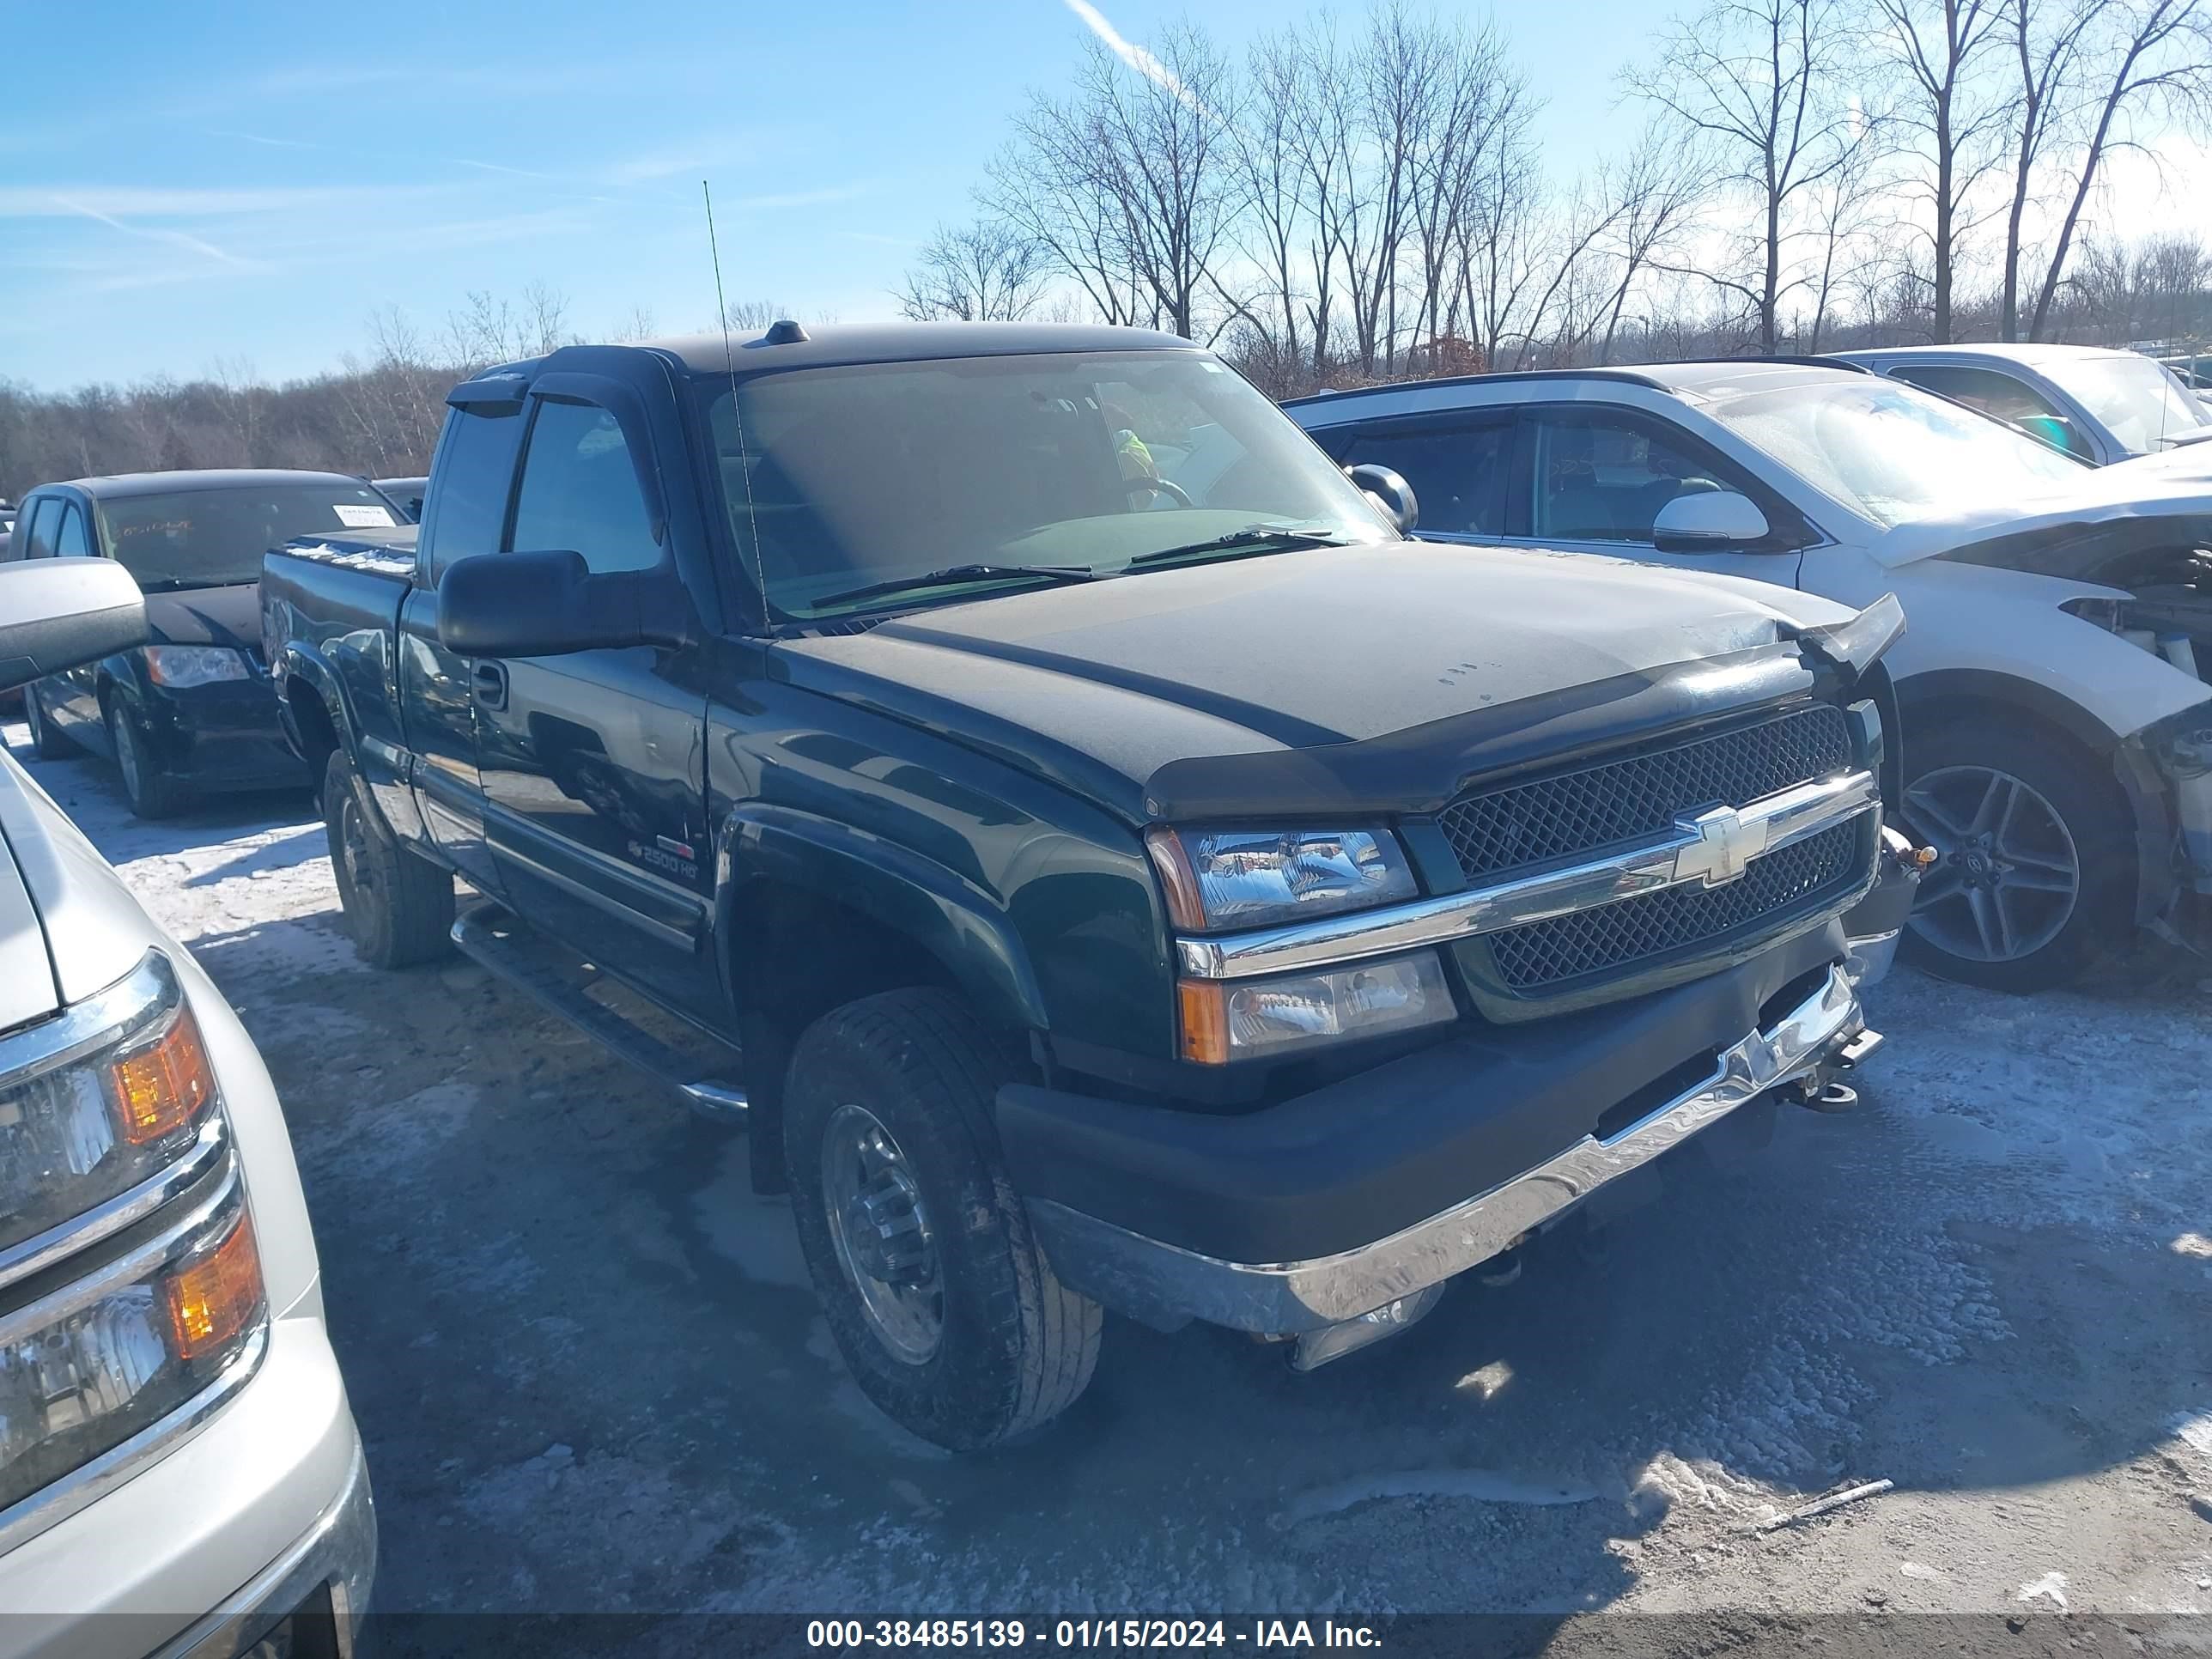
(1102, 859)
(179, 1473)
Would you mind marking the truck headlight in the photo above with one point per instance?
(1226, 1020)
(94, 1364)
(1217, 878)
(95, 1102)
(180, 666)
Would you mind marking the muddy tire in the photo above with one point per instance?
(946, 1311)
(46, 743)
(399, 905)
(152, 793)
(2034, 883)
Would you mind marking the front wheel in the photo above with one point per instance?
(46, 743)
(153, 792)
(2035, 859)
(946, 1311)
(399, 905)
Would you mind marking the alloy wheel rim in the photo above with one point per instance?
(2008, 876)
(31, 715)
(882, 1234)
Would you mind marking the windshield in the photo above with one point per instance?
(216, 537)
(885, 472)
(2138, 401)
(1892, 450)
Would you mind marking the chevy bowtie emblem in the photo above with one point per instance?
(1727, 843)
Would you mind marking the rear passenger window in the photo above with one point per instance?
(70, 541)
(579, 490)
(475, 474)
(1457, 470)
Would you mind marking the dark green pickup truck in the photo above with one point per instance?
(1103, 862)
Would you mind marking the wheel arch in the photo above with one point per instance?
(1947, 697)
(810, 914)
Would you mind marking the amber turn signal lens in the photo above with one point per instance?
(161, 1089)
(1205, 1021)
(214, 1298)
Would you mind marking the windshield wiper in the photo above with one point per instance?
(960, 573)
(1252, 536)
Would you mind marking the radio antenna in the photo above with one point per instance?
(736, 411)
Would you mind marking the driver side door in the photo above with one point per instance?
(1592, 478)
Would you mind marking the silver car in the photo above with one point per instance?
(2097, 404)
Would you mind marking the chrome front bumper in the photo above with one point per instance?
(1163, 1282)
(336, 1559)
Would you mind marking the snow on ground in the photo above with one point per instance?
(590, 1374)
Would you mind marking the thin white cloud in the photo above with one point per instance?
(801, 198)
(173, 238)
(1142, 62)
(160, 201)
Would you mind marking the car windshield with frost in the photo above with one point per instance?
(859, 488)
(1892, 452)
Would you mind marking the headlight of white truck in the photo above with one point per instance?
(94, 1104)
(129, 1281)
(89, 1369)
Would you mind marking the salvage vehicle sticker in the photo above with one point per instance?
(363, 517)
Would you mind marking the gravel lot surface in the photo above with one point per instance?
(589, 1373)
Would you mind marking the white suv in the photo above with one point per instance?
(2058, 739)
(179, 1471)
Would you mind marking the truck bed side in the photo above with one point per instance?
(330, 614)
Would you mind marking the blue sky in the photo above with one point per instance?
(253, 181)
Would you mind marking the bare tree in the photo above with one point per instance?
(239, 393)
(2045, 38)
(2148, 57)
(1128, 184)
(1656, 193)
(988, 270)
(1766, 84)
(1955, 115)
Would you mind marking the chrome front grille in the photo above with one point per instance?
(1595, 813)
(1641, 794)
(1778, 887)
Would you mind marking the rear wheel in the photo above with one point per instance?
(153, 792)
(399, 905)
(2035, 857)
(946, 1311)
(46, 743)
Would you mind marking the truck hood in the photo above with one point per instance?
(206, 615)
(1328, 652)
(2133, 500)
(26, 973)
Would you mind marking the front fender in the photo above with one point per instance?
(956, 922)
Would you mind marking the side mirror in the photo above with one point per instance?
(1712, 519)
(1389, 491)
(55, 614)
(550, 604)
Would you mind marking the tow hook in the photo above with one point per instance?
(1822, 1089)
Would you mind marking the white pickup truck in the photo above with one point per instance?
(179, 1471)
